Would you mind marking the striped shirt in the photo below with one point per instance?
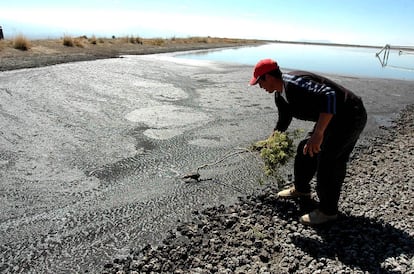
(308, 95)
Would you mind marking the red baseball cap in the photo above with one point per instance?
(262, 67)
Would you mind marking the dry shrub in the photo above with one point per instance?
(93, 40)
(79, 42)
(138, 40)
(199, 40)
(20, 42)
(133, 40)
(68, 41)
(212, 40)
(2, 45)
(193, 40)
(157, 42)
(71, 42)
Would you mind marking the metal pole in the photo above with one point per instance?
(386, 55)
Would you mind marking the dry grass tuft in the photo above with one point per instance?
(83, 41)
(79, 42)
(205, 40)
(156, 41)
(133, 40)
(22, 43)
(68, 41)
(93, 40)
(2, 44)
(72, 42)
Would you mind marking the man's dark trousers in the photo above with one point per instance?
(330, 163)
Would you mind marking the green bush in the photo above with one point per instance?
(275, 151)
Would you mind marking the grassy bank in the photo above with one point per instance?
(49, 46)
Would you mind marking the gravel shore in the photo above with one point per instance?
(261, 234)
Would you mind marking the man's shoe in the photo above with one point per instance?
(317, 217)
(292, 193)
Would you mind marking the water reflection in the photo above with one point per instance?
(348, 61)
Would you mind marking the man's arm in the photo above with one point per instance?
(284, 114)
(313, 146)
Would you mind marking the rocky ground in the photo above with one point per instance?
(261, 234)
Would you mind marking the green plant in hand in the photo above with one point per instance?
(275, 151)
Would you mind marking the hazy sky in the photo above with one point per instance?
(369, 22)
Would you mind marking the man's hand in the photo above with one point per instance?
(313, 146)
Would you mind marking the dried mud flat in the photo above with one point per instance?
(261, 234)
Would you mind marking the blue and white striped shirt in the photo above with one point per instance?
(308, 95)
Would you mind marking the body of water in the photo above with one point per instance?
(348, 61)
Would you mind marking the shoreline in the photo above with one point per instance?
(395, 47)
(46, 52)
(51, 52)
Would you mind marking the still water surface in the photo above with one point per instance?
(348, 61)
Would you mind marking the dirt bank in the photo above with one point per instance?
(51, 52)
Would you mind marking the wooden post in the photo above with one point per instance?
(1, 33)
